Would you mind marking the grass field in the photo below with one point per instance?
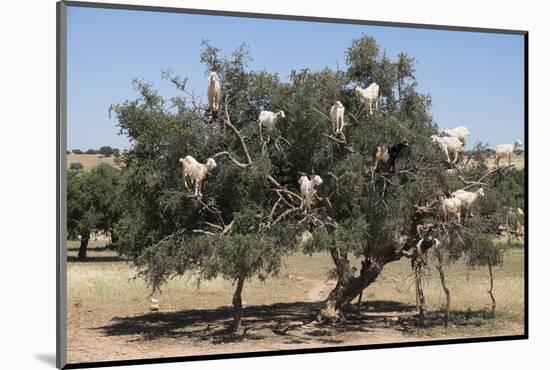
(109, 317)
(90, 161)
(518, 160)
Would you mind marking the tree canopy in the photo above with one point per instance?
(251, 214)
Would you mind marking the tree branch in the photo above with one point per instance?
(322, 114)
(480, 182)
(289, 194)
(236, 132)
(232, 159)
(285, 213)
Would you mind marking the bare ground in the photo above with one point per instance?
(282, 326)
(109, 317)
(199, 332)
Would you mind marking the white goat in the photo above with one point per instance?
(451, 206)
(468, 198)
(461, 133)
(506, 150)
(195, 171)
(213, 92)
(369, 95)
(449, 145)
(337, 116)
(516, 215)
(307, 190)
(268, 119)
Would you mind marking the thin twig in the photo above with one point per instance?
(235, 131)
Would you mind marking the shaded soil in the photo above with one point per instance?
(268, 327)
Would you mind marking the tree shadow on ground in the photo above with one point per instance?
(457, 318)
(95, 259)
(96, 254)
(106, 248)
(293, 322)
(383, 306)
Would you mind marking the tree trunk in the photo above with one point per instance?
(490, 291)
(439, 255)
(114, 239)
(237, 305)
(359, 301)
(420, 300)
(82, 251)
(347, 286)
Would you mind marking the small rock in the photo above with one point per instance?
(154, 306)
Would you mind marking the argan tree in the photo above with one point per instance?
(251, 213)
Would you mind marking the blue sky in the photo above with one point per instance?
(475, 79)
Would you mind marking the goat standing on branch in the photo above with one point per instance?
(505, 151)
(337, 117)
(267, 121)
(461, 133)
(213, 92)
(451, 206)
(449, 146)
(307, 190)
(369, 95)
(389, 154)
(468, 198)
(195, 171)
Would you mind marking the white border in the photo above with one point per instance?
(28, 181)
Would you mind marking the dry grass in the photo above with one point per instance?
(518, 160)
(109, 288)
(90, 161)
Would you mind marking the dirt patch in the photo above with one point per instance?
(109, 317)
(271, 327)
(320, 290)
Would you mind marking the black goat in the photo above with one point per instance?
(389, 154)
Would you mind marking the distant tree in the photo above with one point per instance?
(107, 151)
(76, 166)
(77, 151)
(92, 203)
(91, 151)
